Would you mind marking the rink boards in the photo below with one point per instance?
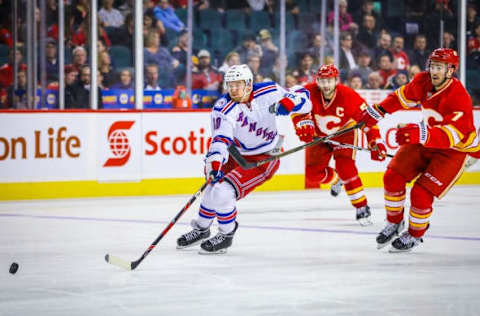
(59, 154)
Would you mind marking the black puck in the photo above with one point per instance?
(13, 268)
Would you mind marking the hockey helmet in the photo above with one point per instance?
(239, 72)
(327, 71)
(444, 55)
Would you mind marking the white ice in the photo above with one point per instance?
(295, 253)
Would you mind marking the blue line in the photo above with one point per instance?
(298, 229)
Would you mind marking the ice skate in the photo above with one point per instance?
(388, 232)
(218, 244)
(364, 216)
(193, 237)
(336, 187)
(405, 243)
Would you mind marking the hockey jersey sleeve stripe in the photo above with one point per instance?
(264, 88)
(406, 103)
(264, 92)
(230, 105)
(456, 134)
(452, 136)
(470, 140)
(222, 139)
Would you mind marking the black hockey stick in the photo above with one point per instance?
(131, 265)
(249, 165)
(333, 142)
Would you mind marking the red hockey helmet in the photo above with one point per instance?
(444, 55)
(327, 71)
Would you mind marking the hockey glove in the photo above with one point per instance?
(304, 127)
(413, 133)
(378, 150)
(371, 116)
(213, 168)
(282, 107)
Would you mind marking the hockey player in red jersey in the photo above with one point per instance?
(435, 149)
(333, 107)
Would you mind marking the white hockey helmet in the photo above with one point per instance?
(239, 72)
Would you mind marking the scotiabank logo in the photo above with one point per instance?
(119, 144)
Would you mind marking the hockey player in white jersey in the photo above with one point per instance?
(242, 117)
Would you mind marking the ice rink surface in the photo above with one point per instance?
(295, 253)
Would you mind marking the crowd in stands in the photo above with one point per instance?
(383, 44)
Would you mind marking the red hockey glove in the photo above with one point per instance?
(304, 127)
(378, 150)
(413, 133)
(282, 107)
(371, 116)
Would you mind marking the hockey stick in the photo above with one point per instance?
(333, 142)
(131, 265)
(249, 165)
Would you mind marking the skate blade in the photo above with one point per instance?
(365, 221)
(218, 252)
(381, 246)
(395, 250)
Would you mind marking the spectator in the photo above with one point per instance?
(165, 13)
(18, 98)
(109, 16)
(355, 81)
(151, 23)
(125, 34)
(180, 98)
(449, 40)
(400, 79)
(82, 33)
(5, 34)
(126, 82)
(368, 35)
(151, 78)
(253, 62)
(317, 43)
(432, 22)
(179, 51)
(345, 19)
(385, 68)
(375, 81)
(305, 72)
(6, 70)
(80, 9)
(270, 51)
(347, 60)
(472, 19)
(79, 58)
(419, 54)
(106, 70)
(52, 62)
(232, 58)
(474, 40)
(363, 66)
(383, 45)
(206, 77)
(78, 96)
(367, 9)
(413, 71)
(249, 46)
(274, 73)
(154, 54)
(290, 81)
(70, 75)
(52, 12)
(400, 58)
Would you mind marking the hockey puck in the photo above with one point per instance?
(13, 268)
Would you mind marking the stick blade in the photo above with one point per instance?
(116, 261)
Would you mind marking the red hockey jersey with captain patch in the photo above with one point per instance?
(338, 113)
(447, 112)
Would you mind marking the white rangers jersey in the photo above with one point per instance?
(252, 127)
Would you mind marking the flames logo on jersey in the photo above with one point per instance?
(328, 124)
(119, 143)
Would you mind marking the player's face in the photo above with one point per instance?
(236, 89)
(438, 73)
(327, 85)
